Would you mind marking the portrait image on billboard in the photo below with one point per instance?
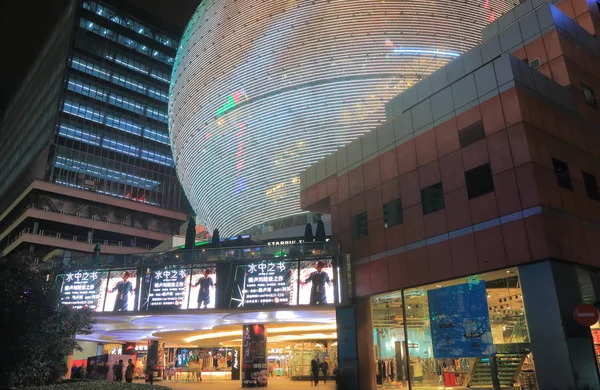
(316, 282)
(166, 288)
(264, 283)
(203, 287)
(83, 289)
(121, 289)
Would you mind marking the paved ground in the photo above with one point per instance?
(225, 385)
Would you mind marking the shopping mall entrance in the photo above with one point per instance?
(230, 348)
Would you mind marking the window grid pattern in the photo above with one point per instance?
(81, 110)
(104, 73)
(112, 134)
(120, 59)
(124, 41)
(268, 89)
(129, 23)
(74, 133)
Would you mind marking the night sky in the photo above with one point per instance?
(25, 24)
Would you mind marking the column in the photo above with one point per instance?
(563, 351)
(366, 356)
(255, 366)
(347, 363)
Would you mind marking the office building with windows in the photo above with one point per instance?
(472, 215)
(84, 146)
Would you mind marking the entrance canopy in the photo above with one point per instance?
(210, 328)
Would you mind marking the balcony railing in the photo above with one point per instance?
(73, 238)
(304, 251)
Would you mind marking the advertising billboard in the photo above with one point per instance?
(265, 283)
(203, 287)
(316, 282)
(83, 289)
(254, 364)
(260, 283)
(121, 289)
(166, 288)
(460, 321)
(179, 287)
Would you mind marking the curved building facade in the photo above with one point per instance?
(261, 90)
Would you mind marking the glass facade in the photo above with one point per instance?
(458, 333)
(112, 134)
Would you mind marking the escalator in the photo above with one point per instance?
(509, 367)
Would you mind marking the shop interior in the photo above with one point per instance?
(404, 353)
(194, 347)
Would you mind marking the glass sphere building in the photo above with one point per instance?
(263, 89)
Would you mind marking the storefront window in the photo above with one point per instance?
(303, 352)
(389, 340)
(456, 333)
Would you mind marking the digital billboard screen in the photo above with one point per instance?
(260, 283)
(179, 287)
(166, 288)
(316, 282)
(121, 289)
(283, 283)
(83, 289)
(203, 287)
(264, 283)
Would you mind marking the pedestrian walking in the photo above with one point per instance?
(314, 367)
(325, 370)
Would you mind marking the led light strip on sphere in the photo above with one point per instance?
(263, 89)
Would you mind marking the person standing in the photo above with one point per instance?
(129, 371)
(118, 371)
(123, 288)
(205, 283)
(319, 278)
(325, 369)
(314, 367)
(150, 372)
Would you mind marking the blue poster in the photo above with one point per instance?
(460, 321)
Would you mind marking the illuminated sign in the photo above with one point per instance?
(263, 284)
(271, 282)
(83, 289)
(179, 287)
(289, 241)
(166, 288)
(121, 288)
(254, 363)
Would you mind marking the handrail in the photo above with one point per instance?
(303, 252)
(74, 214)
(69, 237)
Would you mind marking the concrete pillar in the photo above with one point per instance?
(366, 356)
(563, 350)
(347, 375)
